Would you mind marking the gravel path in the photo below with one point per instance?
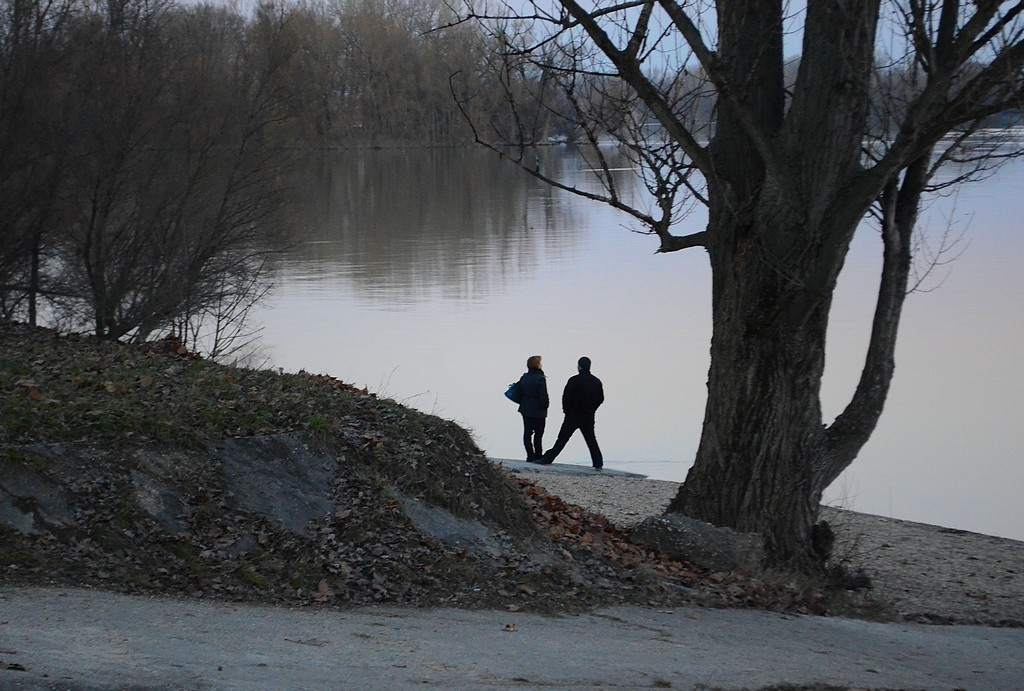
(79, 640)
(922, 572)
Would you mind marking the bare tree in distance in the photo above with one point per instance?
(883, 96)
(31, 153)
(141, 165)
(143, 145)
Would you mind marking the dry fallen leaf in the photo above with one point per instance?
(323, 592)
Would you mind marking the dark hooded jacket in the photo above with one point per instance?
(534, 387)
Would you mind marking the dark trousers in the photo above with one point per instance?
(533, 431)
(586, 427)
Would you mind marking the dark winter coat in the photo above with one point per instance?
(583, 395)
(534, 386)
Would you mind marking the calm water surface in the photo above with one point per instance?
(430, 277)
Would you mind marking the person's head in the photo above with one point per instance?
(533, 362)
(584, 364)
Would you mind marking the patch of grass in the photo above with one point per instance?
(183, 550)
(17, 415)
(22, 457)
(20, 552)
(304, 575)
(10, 541)
(61, 388)
(252, 577)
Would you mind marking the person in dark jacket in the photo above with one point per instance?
(534, 407)
(582, 396)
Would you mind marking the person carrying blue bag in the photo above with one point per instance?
(533, 405)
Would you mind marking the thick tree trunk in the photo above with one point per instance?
(763, 436)
(780, 224)
(765, 455)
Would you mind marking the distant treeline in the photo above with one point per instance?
(372, 72)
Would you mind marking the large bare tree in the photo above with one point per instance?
(790, 158)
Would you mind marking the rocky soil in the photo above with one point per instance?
(146, 470)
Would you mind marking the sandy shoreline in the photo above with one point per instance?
(922, 572)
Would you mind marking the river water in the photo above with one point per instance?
(430, 276)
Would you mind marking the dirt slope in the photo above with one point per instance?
(146, 470)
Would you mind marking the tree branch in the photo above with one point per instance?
(674, 243)
(658, 226)
(936, 111)
(629, 70)
(712, 65)
(852, 428)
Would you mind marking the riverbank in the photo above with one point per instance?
(145, 470)
(301, 490)
(922, 572)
